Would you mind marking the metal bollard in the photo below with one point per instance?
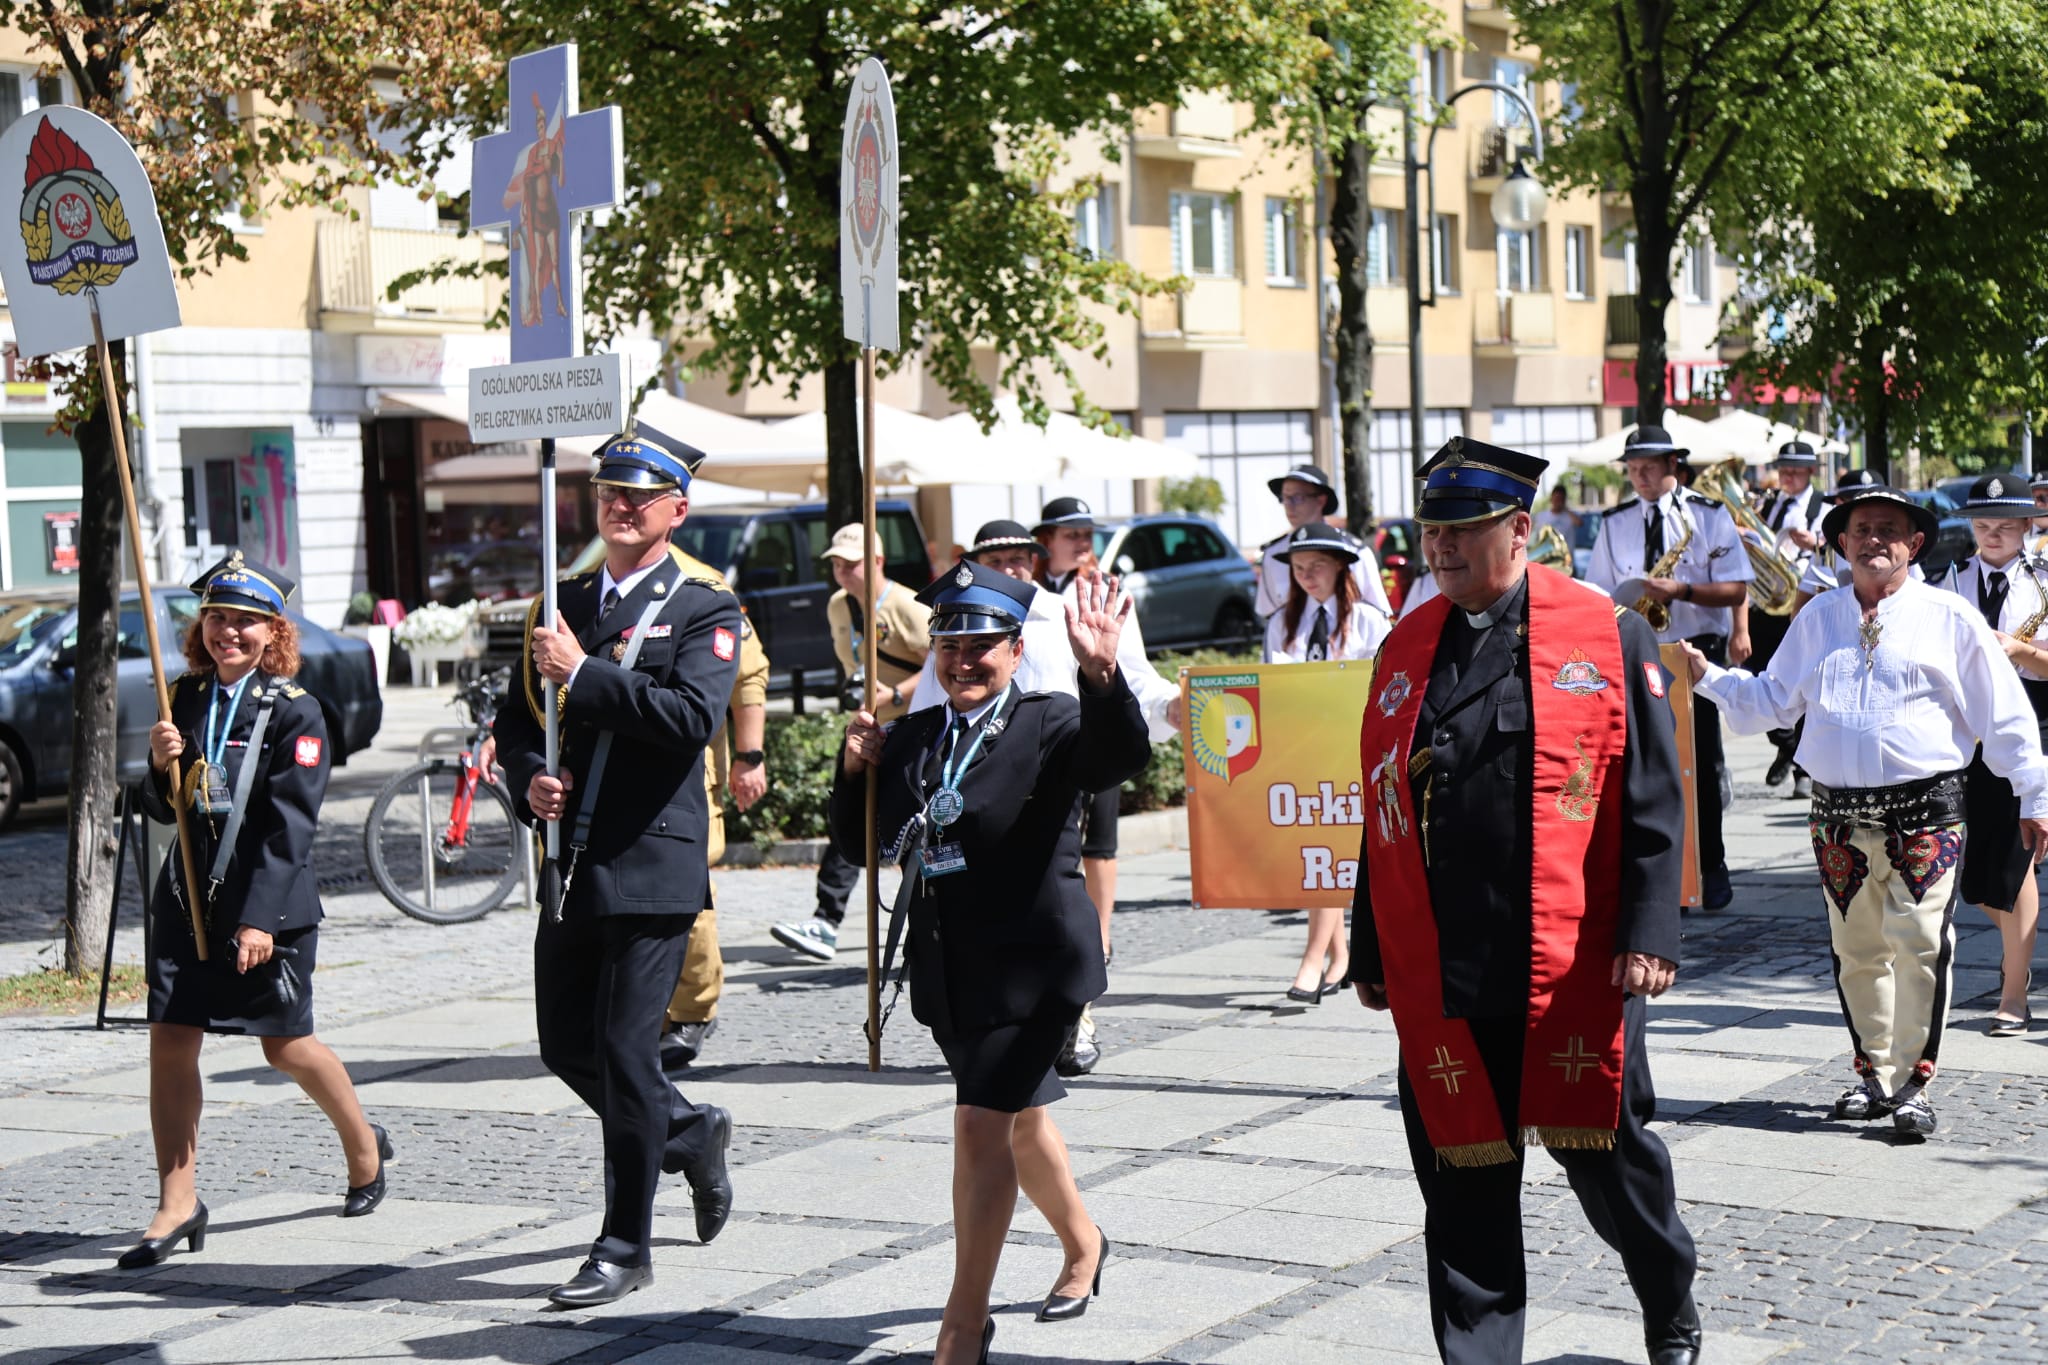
(796, 691)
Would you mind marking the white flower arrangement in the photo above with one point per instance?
(435, 625)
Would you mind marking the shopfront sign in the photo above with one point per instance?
(60, 541)
(1685, 381)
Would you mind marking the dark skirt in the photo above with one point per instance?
(1995, 862)
(1007, 1068)
(211, 995)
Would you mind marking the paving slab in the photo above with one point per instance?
(232, 1071)
(1209, 1180)
(465, 1026)
(302, 1334)
(1394, 1199)
(503, 1082)
(1155, 1120)
(824, 1098)
(1290, 1238)
(1394, 1321)
(1586, 1337)
(60, 1326)
(46, 1113)
(23, 1144)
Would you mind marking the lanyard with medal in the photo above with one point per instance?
(942, 856)
(213, 797)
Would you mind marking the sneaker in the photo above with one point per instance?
(1865, 1100)
(1913, 1118)
(816, 938)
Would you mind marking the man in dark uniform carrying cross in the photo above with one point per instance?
(644, 657)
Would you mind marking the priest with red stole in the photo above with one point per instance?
(1518, 903)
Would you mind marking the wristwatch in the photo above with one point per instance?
(755, 756)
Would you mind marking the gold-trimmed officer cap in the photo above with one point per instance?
(1471, 481)
(243, 585)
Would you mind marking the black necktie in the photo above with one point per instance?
(1991, 597)
(611, 602)
(1653, 538)
(1319, 636)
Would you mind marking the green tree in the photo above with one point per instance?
(730, 229)
(1715, 116)
(1920, 311)
(232, 105)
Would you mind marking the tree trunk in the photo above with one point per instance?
(1350, 222)
(89, 892)
(1655, 240)
(843, 455)
(1874, 398)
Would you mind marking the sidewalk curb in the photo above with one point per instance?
(1147, 832)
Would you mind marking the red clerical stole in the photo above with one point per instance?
(1571, 1053)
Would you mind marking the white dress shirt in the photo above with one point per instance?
(605, 584)
(2026, 591)
(1936, 685)
(1367, 627)
(1781, 513)
(1274, 576)
(1713, 555)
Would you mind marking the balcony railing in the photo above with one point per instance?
(1203, 127)
(1489, 14)
(358, 264)
(1496, 149)
(1624, 327)
(1210, 314)
(1521, 320)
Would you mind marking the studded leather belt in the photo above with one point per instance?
(1920, 804)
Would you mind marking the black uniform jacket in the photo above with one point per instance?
(1014, 935)
(1479, 826)
(648, 838)
(269, 884)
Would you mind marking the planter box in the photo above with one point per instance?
(379, 638)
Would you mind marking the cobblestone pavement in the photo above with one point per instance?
(1244, 1155)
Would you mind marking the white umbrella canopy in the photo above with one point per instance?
(916, 450)
(1756, 438)
(1076, 449)
(1689, 432)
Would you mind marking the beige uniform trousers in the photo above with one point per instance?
(1891, 919)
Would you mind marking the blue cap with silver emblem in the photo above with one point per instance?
(973, 599)
(1469, 481)
(646, 458)
(238, 584)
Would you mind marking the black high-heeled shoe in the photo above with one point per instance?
(988, 1336)
(152, 1250)
(1058, 1308)
(1312, 996)
(364, 1199)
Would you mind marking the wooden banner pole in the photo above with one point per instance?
(869, 662)
(111, 397)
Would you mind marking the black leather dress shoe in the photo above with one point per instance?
(152, 1250)
(710, 1183)
(681, 1043)
(600, 1282)
(1058, 1308)
(1716, 891)
(1677, 1342)
(364, 1199)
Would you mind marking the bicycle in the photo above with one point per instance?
(441, 840)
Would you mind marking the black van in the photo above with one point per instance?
(769, 553)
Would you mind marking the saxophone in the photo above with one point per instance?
(1658, 614)
(2028, 627)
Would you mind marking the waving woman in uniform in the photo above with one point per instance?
(979, 798)
(254, 757)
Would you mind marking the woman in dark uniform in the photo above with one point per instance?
(259, 905)
(1004, 947)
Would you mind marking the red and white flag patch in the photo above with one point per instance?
(1656, 677)
(724, 643)
(307, 751)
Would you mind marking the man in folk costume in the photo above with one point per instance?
(1521, 714)
(1898, 682)
(1791, 513)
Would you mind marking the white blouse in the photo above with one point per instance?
(1368, 626)
(1935, 686)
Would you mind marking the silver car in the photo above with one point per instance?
(1192, 586)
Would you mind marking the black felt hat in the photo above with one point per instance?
(1647, 441)
(1308, 473)
(1003, 535)
(1319, 535)
(2000, 495)
(1064, 512)
(1837, 520)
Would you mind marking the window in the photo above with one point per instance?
(1518, 257)
(1578, 251)
(1697, 270)
(1095, 223)
(770, 560)
(1443, 245)
(1204, 234)
(1242, 451)
(1383, 248)
(1283, 241)
(23, 92)
(1631, 275)
(1392, 466)
(1434, 76)
(1507, 112)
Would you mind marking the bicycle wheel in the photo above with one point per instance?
(413, 860)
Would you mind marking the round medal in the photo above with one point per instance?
(947, 805)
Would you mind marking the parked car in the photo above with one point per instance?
(1954, 541)
(1191, 585)
(769, 553)
(39, 646)
(494, 570)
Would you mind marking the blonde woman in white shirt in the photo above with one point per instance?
(1322, 619)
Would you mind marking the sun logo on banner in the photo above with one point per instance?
(71, 217)
(1224, 724)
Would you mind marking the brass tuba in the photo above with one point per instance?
(1548, 548)
(1775, 586)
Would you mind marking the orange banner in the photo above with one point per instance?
(1275, 802)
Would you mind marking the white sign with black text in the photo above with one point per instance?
(576, 396)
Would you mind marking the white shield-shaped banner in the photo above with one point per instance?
(867, 211)
(88, 226)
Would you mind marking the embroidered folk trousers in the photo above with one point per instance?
(1891, 912)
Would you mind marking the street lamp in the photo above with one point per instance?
(1518, 205)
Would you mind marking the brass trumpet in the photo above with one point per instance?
(1775, 585)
